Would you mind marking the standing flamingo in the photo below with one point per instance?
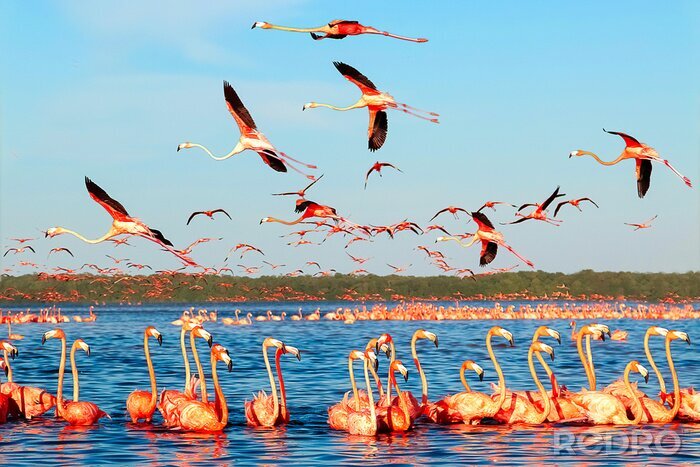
(376, 102)
(11, 336)
(200, 417)
(397, 416)
(338, 413)
(416, 408)
(25, 401)
(284, 412)
(74, 412)
(445, 412)
(250, 138)
(122, 224)
(364, 421)
(264, 409)
(336, 29)
(642, 154)
(490, 239)
(142, 404)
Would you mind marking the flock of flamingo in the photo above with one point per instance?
(325, 218)
(619, 403)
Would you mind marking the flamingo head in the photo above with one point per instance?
(423, 334)
(370, 356)
(153, 332)
(265, 219)
(538, 346)
(579, 152)
(499, 331)
(11, 349)
(220, 353)
(199, 331)
(673, 335)
(657, 331)
(601, 329)
(53, 231)
(53, 334)
(397, 365)
(471, 365)
(293, 350)
(82, 345)
(261, 25)
(544, 331)
(185, 145)
(636, 366)
(272, 342)
(309, 105)
(383, 343)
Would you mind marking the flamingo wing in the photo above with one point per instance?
(192, 216)
(113, 207)
(559, 207)
(378, 128)
(221, 210)
(643, 176)
(302, 205)
(551, 198)
(521, 207)
(488, 252)
(357, 78)
(630, 141)
(271, 159)
(371, 169)
(236, 108)
(482, 221)
(386, 164)
(158, 235)
(589, 199)
(312, 184)
(438, 213)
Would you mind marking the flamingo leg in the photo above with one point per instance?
(685, 179)
(406, 106)
(526, 261)
(434, 120)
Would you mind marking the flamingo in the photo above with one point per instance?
(142, 404)
(540, 212)
(5, 400)
(11, 336)
(377, 167)
(418, 409)
(284, 411)
(452, 210)
(492, 205)
(397, 415)
(376, 102)
(490, 239)
(122, 224)
(308, 209)
(644, 225)
(301, 193)
(643, 156)
(57, 250)
(264, 410)
(575, 203)
(19, 250)
(688, 399)
(24, 401)
(444, 411)
(336, 29)
(209, 214)
(76, 413)
(518, 408)
(338, 413)
(250, 138)
(364, 421)
(199, 416)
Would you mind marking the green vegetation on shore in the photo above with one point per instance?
(186, 288)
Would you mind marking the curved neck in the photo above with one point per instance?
(674, 376)
(545, 398)
(280, 221)
(590, 362)
(370, 397)
(377, 381)
(74, 371)
(342, 109)
(635, 398)
(541, 359)
(501, 378)
(352, 382)
(283, 393)
(573, 330)
(238, 148)
(388, 378)
(200, 370)
(273, 388)
(284, 28)
(423, 380)
(219, 394)
(622, 156)
(185, 359)
(584, 362)
(106, 236)
(463, 378)
(61, 372)
(652, 363)
(151, 373)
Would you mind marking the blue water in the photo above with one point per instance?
(117, 366)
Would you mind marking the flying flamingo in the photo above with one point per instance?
(308, 209)
(575, 203)
(489, 237)
(452, 210)
(25, 401)
(376, 102)
(377, 167)
(399, 269)
(122, 224)
(540, 212)
(264, 409)
(20, 250)
(56, 250)
(492, 205)
(644, 225)
(642, 154)
(209, 214)
(250, 138)
(300, 193)
(336, 29)
(142, 404)
(199, 416)
(74, 412)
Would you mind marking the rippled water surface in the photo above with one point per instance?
(117, 366)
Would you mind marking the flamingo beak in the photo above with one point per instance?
(43, 339)
(552, 356)
(229, 365)
(210, 341)
(559, 340)
(481, 376)
(160, 339)
(253, 26)
(178, 148)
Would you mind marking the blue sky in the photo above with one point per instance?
(108, 90)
